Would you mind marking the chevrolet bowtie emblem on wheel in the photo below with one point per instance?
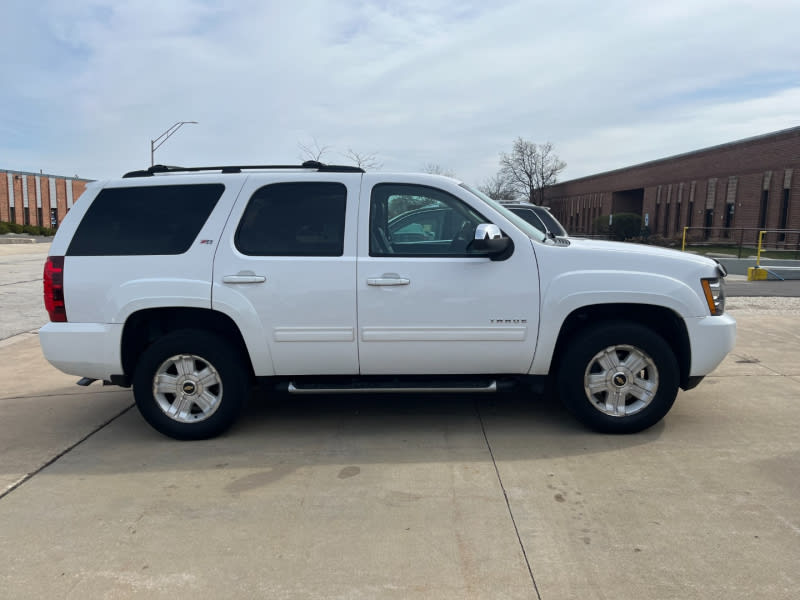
(188, 387)
(620, 379)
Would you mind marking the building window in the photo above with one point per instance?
(54, 218)
(709, 223)
(787, 186)
(666, 220)
(728, 219)
(39, 216)
(784, 214)
(26, 213)
(12, 214)
(762, 219)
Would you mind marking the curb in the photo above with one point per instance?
(5, 240)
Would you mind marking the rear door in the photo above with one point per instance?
(286, 270)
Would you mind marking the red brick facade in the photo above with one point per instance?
(751, 184)
(37, 198)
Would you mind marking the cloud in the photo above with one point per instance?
(452, 83)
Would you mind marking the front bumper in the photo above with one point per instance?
(83, 349)
(711, 338)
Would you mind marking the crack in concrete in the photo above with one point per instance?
(508, 504)
(32, 474)
(17, 282)
(75, 393)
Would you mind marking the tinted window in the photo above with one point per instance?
(540, 218)
(530, 217)
(161, 219)
(548, 219)
(294, 219)
(420, 221)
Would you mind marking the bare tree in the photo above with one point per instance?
(498, 188)
(437, 169)
(367, 161)
(531, 168)
(312, 151)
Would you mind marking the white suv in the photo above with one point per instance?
(191, 284)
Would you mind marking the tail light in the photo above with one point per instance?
(54, 289)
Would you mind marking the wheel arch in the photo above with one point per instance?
(663, 321)
(144, 327)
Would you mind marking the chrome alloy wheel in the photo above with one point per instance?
(187, 388)
(620, 380)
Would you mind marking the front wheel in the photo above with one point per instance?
(190, 385)
(618, 377)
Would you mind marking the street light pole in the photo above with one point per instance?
(156, 143)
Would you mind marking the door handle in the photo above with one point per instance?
(244, 277)
(388, 279)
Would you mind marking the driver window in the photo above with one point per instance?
(417, 220)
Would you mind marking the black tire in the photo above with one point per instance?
(584, 376)
(220, 382)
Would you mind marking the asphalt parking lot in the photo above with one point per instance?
(402, 497)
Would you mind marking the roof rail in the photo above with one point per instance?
(309, 164)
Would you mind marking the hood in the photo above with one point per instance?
(598, 255)
(626, 251)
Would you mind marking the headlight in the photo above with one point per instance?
(714, 290)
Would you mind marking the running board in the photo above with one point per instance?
(483, 387)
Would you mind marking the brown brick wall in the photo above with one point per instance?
(746, 159)
(18, 211)
(78, 187)
(61, 198)
(31, 199)
(4, 200)
(45, 201)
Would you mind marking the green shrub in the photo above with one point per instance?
(624, 226)
(6, 227)
(601, 225)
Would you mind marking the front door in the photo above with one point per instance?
(427, 304)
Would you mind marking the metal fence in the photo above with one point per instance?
(744, 241)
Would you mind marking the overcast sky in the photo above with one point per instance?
(86, 84)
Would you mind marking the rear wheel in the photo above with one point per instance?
(618, 377)
(190, 384)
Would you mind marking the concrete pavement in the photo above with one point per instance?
(21, 268)
(408, 497)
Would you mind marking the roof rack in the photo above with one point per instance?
(309, 164)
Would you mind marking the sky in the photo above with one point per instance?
(86, 84)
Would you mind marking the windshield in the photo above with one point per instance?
(550, 221)
(518, 222)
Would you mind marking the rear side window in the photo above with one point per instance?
(294, 219)
(148, 220)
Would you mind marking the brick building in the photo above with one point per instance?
(37, 198)
(732, 189)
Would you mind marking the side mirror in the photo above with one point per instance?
(489, 239)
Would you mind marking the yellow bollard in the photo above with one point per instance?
(758, 254)
(683, 244)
